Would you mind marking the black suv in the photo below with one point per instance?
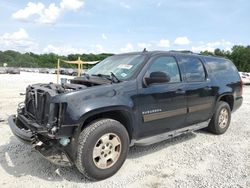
(128, 99)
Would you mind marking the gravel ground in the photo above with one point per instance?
(196, 159)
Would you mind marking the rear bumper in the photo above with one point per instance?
(22, 132)
(237, 103)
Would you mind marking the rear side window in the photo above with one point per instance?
(193, 69)
(219, 65)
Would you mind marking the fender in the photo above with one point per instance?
(105, 105)
(127, 112)
(222, 95)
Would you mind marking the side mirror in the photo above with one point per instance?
(156, 77)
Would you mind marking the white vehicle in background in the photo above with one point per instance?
(3, 70)
(36, 70)
(52, 71)
(245, 77)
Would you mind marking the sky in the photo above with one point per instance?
(112, 26)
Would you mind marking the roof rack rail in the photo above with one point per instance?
(190, 52)
(183, 51)
(213, 55)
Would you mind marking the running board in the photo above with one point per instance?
(167, 135)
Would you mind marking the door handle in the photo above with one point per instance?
(180, 91)
(208, 88)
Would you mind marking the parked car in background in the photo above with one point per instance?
(44, 70)
(35, 70)
(245, 77)
(13, 70)
(51, 71)
(70, 71)
(74, 72)
(3, 70)
(63, 71)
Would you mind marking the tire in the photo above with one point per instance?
(109, 140)
(218, 125)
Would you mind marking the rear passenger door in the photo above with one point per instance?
(200, 97)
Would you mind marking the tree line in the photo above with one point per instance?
(32, 60)
(239, 55)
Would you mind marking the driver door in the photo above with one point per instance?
(162, 106)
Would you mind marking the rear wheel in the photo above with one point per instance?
(102, 149)
(221, 118)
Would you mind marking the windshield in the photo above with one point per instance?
(122, 66)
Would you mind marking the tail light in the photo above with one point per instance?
(241, 87)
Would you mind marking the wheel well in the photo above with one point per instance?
(228, 99)
(118, 115)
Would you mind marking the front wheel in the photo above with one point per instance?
(102, 149)
(221, 118)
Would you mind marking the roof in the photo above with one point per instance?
(187, 53)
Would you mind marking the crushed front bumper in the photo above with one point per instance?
(49, 149)
(20, 131)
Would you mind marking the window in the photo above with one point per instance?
(193, 69)
(219, 65)
(123, 66)
(167, 65)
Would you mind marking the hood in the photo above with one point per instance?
(89, 81)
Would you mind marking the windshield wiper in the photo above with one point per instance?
(85, 75)
(102, 76)
(112, 77)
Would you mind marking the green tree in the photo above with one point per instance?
(241, 57)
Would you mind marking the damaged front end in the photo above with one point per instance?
(40, 122)
(53, 153)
